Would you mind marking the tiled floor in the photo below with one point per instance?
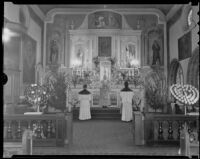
(101, 137)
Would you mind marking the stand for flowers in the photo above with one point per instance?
(187, 95)
(36, 95)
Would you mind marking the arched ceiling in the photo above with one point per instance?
(165, 8)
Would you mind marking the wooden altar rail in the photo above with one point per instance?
(51, 129)
(166, 128)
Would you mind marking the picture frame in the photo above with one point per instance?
(29, 46)
(185, 46)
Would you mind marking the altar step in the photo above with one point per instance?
(110, 113)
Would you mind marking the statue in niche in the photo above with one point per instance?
(130, 54)
(80, 56)
(54, 50)
(156, 53)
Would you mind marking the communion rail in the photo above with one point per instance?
(51, 128)
(166, 128)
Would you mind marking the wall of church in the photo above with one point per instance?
(34, 32)
(11, 12)
(176, 31)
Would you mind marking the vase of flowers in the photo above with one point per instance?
(36, 95)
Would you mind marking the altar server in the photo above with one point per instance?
(126, 95)
(85, 102)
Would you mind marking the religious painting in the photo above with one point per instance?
(130, 55)
(105, 70)
(185, 46)
(104, 46)
(29, 59)
(104, 20)
(12, 51)
(54, 48)
(156, 50)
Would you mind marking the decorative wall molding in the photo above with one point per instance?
(50, 15)
(17, 27)
(37, 11)
(184, 17)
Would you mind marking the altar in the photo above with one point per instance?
(114, 96)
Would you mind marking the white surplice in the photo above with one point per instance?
(84, 112)
(127, 108)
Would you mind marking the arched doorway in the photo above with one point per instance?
(193, 71)
(175, 76)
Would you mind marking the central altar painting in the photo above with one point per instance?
(104, 46)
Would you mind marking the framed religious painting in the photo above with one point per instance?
(104, 46)
(29, 59)
(185, 46)
(129, 55)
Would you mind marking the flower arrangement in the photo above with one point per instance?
(156, 92)
(36, 95)
(186, 94)
(136, 102)
(58, 82)
(96, 61)
(74, 101)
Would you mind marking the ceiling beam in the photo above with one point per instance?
(172, 11)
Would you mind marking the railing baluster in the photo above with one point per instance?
(39, 130)
(160, 131)
(29, 125)
(189, 127)
(19, 135)
(49, 129)
(170, 131)
(9, 132)
(180, 126)
(5, 130)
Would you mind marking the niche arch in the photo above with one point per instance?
(175, 73)
(193, 69)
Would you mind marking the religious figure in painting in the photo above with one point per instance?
(29, 61)
(100, 23)
(54, 50)
(156, 53)
(104, 92)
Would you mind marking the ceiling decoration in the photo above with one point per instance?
(164, 8)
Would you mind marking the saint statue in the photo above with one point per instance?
(104, 92)
(156, 54)
(53, 51)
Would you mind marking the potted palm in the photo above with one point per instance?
(57, 87)
(155, 98)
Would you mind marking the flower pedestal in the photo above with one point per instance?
(34, 113)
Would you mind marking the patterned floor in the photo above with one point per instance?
(104, 137)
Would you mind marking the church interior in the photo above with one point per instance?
(101, 79)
